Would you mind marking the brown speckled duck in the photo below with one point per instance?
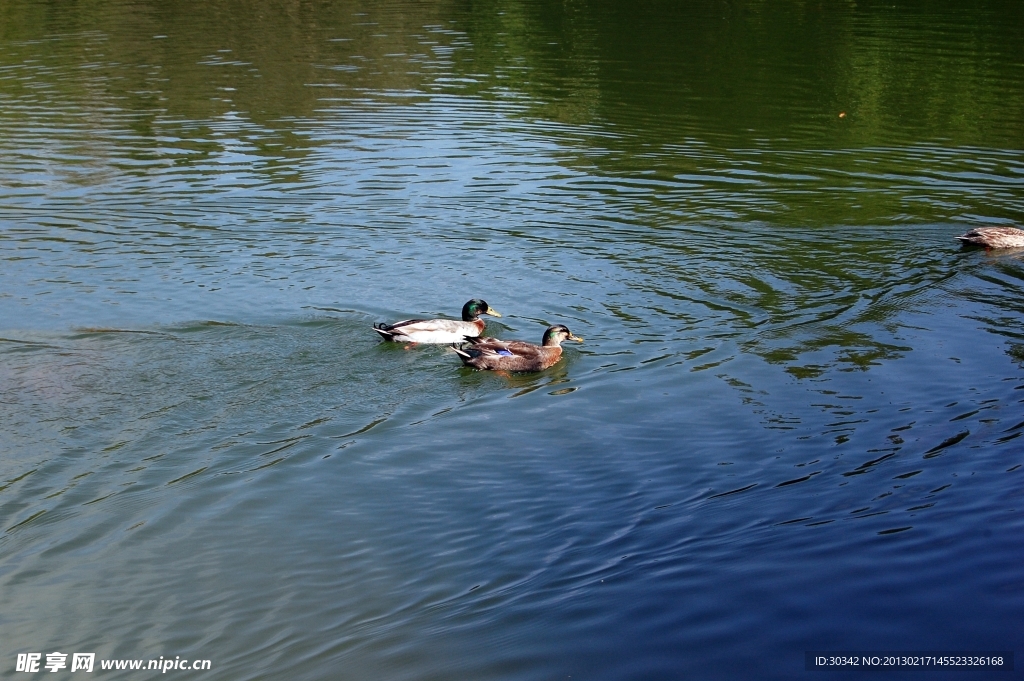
(993, 237)
(439, 330)
(516, 355)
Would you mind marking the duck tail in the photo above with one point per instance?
(384, 330)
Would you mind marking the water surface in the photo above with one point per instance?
(794, 423)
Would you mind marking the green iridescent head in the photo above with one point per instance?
(472, 310)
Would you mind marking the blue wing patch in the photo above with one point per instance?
(504, 353)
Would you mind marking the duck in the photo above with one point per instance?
(439, 330)
(516, 355)
(993, 237)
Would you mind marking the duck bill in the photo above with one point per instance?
(576, 338)
(491, 311)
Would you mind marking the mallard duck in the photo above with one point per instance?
(516, 355)
(993, 237)
(439, 330)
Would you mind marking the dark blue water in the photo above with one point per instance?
(794, 424)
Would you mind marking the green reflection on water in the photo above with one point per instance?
(733, 73)
(806, 113)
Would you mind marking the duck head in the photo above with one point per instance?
(558, 333)
(472, 310)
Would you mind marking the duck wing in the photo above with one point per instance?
(512, 355)
(429, 330)
(487, 344)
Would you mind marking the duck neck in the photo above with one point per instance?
(554, 349)
(552, 353)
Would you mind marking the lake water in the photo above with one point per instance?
(794, 424)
